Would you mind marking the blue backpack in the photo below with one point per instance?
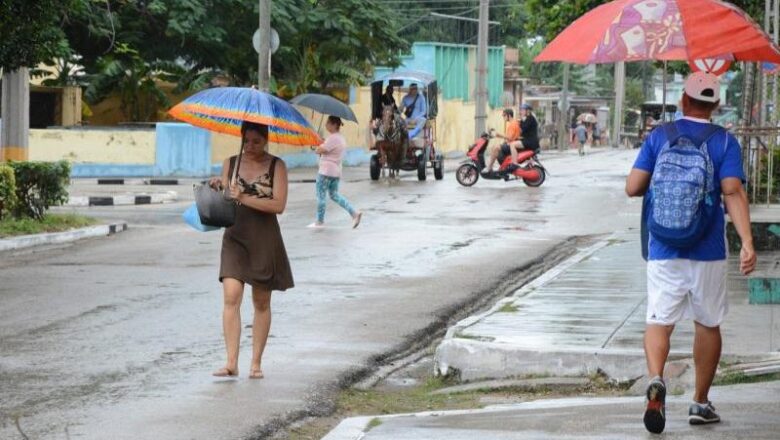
(680, 205)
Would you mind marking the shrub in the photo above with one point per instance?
(39, 185)
(7, 190)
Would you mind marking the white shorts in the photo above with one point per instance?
(686, 289)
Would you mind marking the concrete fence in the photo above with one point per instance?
(181, 150)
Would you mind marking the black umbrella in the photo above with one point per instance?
(327, 105)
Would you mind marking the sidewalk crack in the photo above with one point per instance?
(622, 323)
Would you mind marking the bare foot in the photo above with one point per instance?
(256, 373)
(225, 372)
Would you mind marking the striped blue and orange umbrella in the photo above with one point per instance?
(223, 110)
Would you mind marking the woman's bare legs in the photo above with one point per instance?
(261, 326)
(231, 324)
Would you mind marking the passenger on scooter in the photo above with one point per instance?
(529, 129)
(511, 137)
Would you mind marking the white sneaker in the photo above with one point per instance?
(356, 220)
(316, 225)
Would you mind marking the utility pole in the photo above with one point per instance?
(563, 124)
(264, 54)
(620, 93)
(15, 114)
(480, 117)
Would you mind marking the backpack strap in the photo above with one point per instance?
(709, 132)
(670, 129)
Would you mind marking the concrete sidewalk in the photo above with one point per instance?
(748, 412)
(588, 314)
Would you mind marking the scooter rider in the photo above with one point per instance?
(511, 138)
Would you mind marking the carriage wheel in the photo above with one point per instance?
(421, 162)
(438, 167)
(375, 167)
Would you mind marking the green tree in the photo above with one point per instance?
(124, 72)
(547, 18)
(330, 42)
(30, 32)
(323, 42)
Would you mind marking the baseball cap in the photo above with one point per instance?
(526, 106)
(703, 87)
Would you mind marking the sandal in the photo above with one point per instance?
(225, 372)
(256, 373)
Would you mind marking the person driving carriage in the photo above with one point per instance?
(388, 98)
(415, 108)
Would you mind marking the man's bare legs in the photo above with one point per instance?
(657, 348)
(492, 158)
(514, 147)
(706, 355)
(656, 351)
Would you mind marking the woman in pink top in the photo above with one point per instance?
(331, 152)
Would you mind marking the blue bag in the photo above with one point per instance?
(680, 199)
(192, 218)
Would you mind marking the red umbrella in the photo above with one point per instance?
(634, 30)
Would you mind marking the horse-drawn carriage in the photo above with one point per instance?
(405, 142)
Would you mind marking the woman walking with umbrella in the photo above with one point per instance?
(253, 251)
(331, 154)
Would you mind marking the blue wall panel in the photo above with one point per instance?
(353, 157)
(182, 150)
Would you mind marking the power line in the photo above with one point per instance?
(450, 8)
(427, 1)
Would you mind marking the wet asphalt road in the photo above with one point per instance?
(116, 337)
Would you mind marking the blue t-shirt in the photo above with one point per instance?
(726, 158)
(420, 106)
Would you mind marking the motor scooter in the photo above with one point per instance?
(528, 168)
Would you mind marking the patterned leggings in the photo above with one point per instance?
(330, 185)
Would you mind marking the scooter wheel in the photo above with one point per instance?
(467, 174)
(539, 180)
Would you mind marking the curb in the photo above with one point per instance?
(27, 241)
(355, 428)
(142, 199)
(113, 181)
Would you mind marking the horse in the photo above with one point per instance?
(392, 139)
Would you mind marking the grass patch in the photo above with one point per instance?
(354, 401)
(738, 377)
(51, 223)
(508, 308)
(373, 424)
(677, 391)
(474, 337)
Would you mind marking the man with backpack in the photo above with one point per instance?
(687, 170)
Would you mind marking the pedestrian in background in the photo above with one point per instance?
(331, 154)
(581, 134)
(252, 249)
(693, 166)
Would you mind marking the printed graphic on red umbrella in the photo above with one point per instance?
(714, 66)
(634, 30)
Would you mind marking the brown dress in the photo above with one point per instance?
(252, 249)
